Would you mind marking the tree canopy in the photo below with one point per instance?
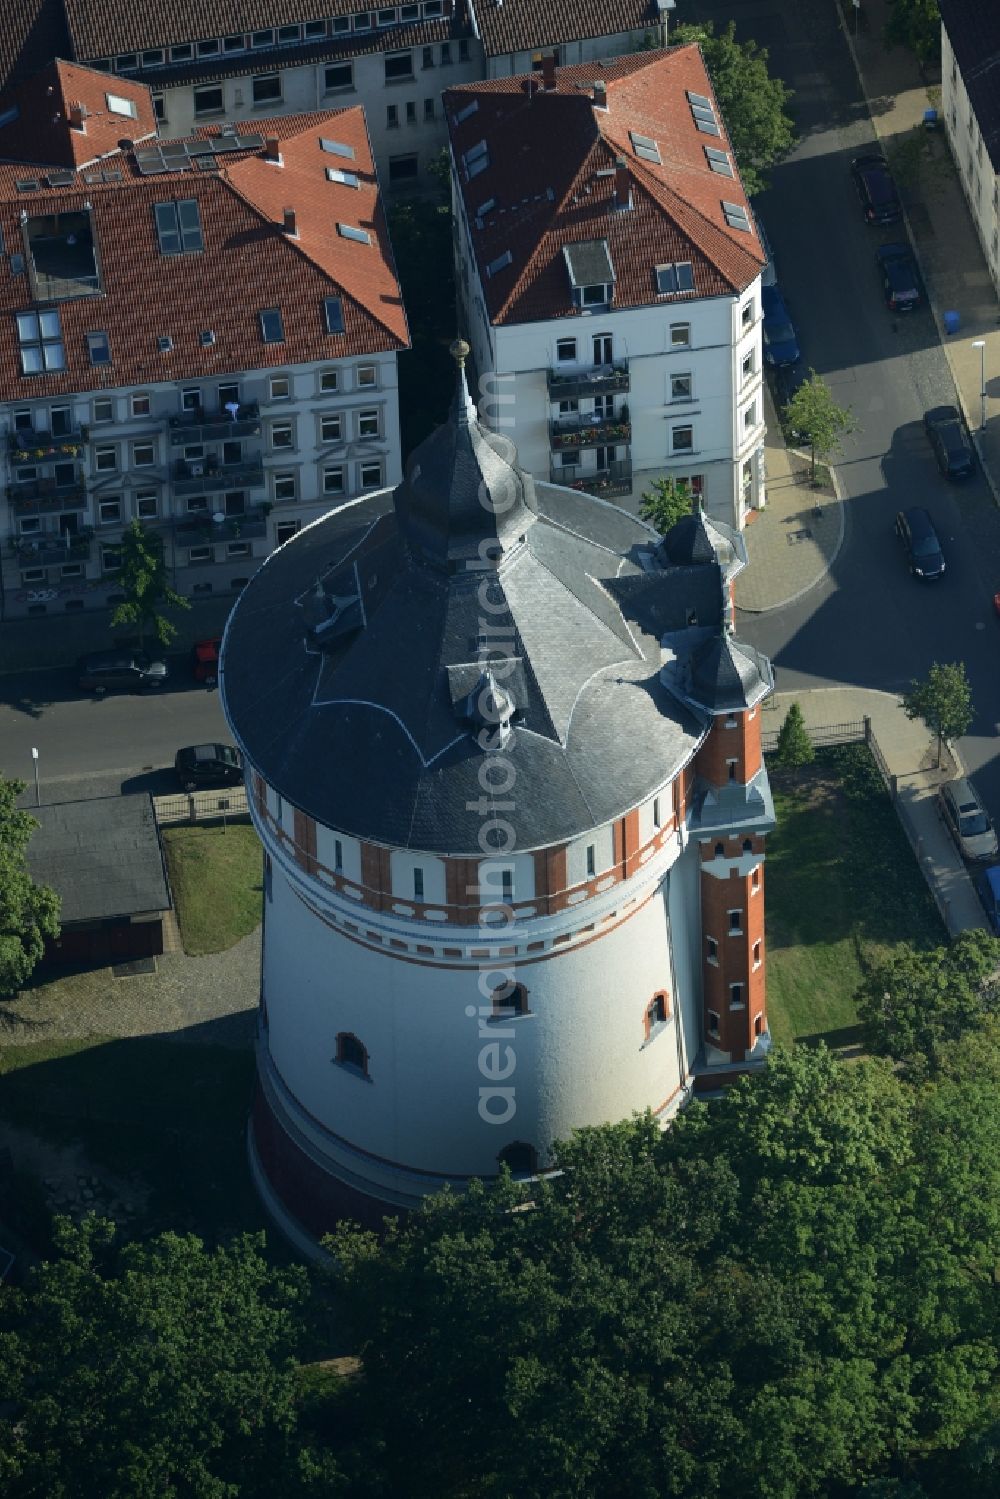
(28, 912)
(749, 1304)
(813, 414)
(943, 700)
(666, 501)
(794, 745)
(142, 578)
(911, 1003)
(753, 103)
(915, 24)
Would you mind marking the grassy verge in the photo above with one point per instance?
(172, 1114)
(842, 888)
(216, 879)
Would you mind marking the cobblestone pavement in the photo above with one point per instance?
(210, 1000)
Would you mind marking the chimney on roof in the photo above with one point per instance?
(290, 229)
(623, 184)
(272, 150)
(549, 71)
(600, 94)
(77, 117)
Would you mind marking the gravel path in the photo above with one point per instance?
(210, 1000)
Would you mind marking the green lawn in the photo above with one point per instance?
(216, 877)
(842, 886)
(171, 1113)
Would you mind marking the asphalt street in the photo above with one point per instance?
(90, 746)
(869, 623)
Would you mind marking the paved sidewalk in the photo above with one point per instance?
(939, 222)
(910, 754)
(794, 539)
(57, 640)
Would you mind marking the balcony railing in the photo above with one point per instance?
(41, 497)
(203, 530)
(208, 476)
(570, 385)
(608, 482)
(26, 446)
(212, 426)
(40, 551)
(584, 432)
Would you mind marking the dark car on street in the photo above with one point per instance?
(915, 530)
(120, 671)
(900, 279)
(781, 347)
(201, 765)
(876, 189)
(947, 435)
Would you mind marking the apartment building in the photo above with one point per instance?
(201, 334)
(301, 55)
(970, 98)
(608, 270)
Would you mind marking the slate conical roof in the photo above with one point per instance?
(727, 675)
(696, 538)
(463, 496)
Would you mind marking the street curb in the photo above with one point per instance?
(943, 335)
(828, 563)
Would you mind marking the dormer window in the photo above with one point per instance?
(476, 160)
(591, 274)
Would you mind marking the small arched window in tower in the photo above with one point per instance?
(520, 1158)
(748, 845)
(657, 1014)
(758, 1025)
(720, 849)
(656, 811)
(352, 1054)
(755, 879)
(509, 1001)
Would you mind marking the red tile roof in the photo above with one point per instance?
(522, 25)
(42, 131)
(31, 32)
(551, 174)
(248, 264)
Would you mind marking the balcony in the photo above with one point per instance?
(605, 482)
(588, 432)
(51, 547)
(203, 530)
(27, 446)
(209, 476)
(599, 379)
(44, 497)
(215, 426)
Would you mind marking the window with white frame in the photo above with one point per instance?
(680, 387)
(680, 335)
(284, 485)
(106, 458)
(331, 427)
(367, 376)
(146, 504)
(102, 410)
(329, 380)
(682, 439)
(368, 423)
(281, 435)
(140, 403)
(749, 366)
(279, 388)
(285, 530)
(109, 511)
(746, 313)
(333, 479)
(143, 455)
(371, 475)
(40, 340)
(750, 416)
(565, 350)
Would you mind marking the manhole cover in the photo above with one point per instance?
(803, 535)
(134, 969)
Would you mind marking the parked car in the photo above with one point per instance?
(781, 347)
(120, 671)
(900, 280)
(915, 530)
(202, 765)
(768, 276)
(205, 660)
(988, 886)
(952, 449)
(876, 189)
(967, 820)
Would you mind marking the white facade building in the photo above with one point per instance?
(970, 103)
(203, 351)
(608, 267)
(530, 895)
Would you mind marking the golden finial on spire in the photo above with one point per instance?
(459, 351)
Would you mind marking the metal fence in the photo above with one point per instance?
(202, 806)
(835, 733)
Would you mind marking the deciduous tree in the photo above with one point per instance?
(915, 24)
(28, 912)
(142, 578)
(664, 503)
(813, 413)
(943, 700)
(912, 1003)
(753, 103)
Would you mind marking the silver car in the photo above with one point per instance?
(967, 820)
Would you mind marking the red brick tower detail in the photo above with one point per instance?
(732, 897)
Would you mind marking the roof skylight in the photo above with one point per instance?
(645, 148)
(719, 161)
(348, 231)
(736, 216)
(499, 264)
(467, 112)
(476, 160)
(336, 148)
(674, 278)
(338, 174)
